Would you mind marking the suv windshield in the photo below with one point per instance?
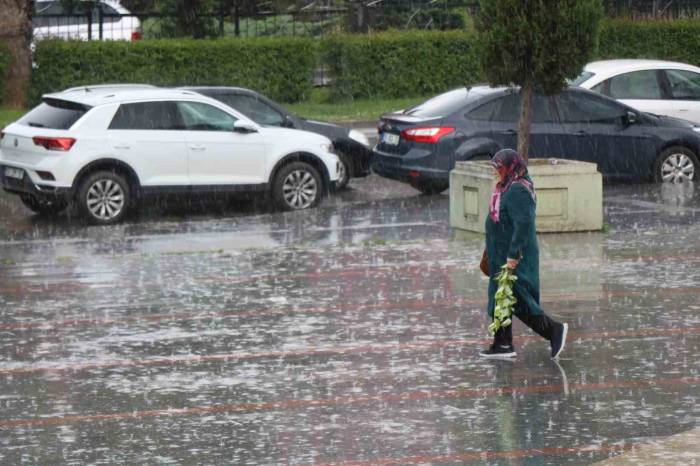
(54, 114)
(444, 105)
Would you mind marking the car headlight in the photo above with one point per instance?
(359, 137)
(696, 129)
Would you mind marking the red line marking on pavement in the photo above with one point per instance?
(487, 455)
(346, 401)
(331, 351)
(547, 298)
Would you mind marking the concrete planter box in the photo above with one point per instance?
(569, 195)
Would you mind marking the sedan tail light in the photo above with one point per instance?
(62, 144)
(427, 134)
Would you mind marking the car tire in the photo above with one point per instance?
(43, 207)
(297, 186)
(430, 188)
(344, 172)
(676, 164)
(103, 197)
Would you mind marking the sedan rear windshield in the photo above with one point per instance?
(444, 105)
(54, 114)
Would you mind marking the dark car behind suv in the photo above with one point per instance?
(421, 145)
(351, 146)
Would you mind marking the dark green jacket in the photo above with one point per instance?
(514, 236)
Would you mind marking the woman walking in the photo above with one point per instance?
(511, 240)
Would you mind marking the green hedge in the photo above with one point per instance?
(281, 68)
(664, 40)
(4, 65)
(399, 64)
(383, 65)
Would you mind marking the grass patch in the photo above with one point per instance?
(8, 115)
(319, 107)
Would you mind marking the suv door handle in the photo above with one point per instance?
(197, 147)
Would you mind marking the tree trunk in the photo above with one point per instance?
(16, 33)
(525, 118)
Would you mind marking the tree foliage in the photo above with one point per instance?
(536, 44)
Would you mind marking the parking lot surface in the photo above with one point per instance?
(222, 333)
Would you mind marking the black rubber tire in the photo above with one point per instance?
(430, 188)
(43, 207)
(90, 187)
(343, 183)
(670, 152)
(293, 175)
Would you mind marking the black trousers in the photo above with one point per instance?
(540, 324)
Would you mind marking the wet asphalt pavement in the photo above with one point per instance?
(221, 333)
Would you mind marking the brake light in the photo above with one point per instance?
(428, 134)
(62, 144)
(135, 35)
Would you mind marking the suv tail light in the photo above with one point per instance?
(62, 144)
(135, 35)
(426, 134)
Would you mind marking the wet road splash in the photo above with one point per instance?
(345, 335)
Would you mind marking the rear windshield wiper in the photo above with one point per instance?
(36, 125)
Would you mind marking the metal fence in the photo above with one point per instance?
(104, 21)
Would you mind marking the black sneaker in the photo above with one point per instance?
(498, 351)
(559, 340)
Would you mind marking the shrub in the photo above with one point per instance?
(400, 64)
(281, 68)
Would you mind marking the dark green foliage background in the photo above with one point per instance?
(399, 64)
(281, 68)
(4, 65)
(386, 65)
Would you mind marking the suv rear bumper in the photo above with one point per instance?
(27, 186)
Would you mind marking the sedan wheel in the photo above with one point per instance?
(676, 165)
(343, 172)
(297, 186)
(104, 197)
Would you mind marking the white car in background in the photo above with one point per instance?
(52, 20)
(653, 86)
(105, 150)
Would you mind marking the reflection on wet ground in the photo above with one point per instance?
(344, 335)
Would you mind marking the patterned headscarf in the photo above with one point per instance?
(516, 173)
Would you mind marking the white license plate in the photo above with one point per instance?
(391, 139)
(11, 172)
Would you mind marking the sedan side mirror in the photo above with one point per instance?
(630, 118)
(240, 126)
(288, 122)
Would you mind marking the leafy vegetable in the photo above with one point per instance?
(505, 300)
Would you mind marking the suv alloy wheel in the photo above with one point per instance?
(297, 186)
(104, 197)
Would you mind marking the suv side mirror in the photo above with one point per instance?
(630, 118)
(240, 126)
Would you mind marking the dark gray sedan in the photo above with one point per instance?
(351, 146)
(421, 145)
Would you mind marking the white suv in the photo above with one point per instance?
(107, 148)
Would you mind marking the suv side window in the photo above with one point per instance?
(635, 85)
(147, 116)
(197, 116)
(576, 107)
(685, 85)
(254, 108)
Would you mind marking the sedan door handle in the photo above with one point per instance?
(122, 147)
(580, 133)
(197, 147)
(508, 131)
